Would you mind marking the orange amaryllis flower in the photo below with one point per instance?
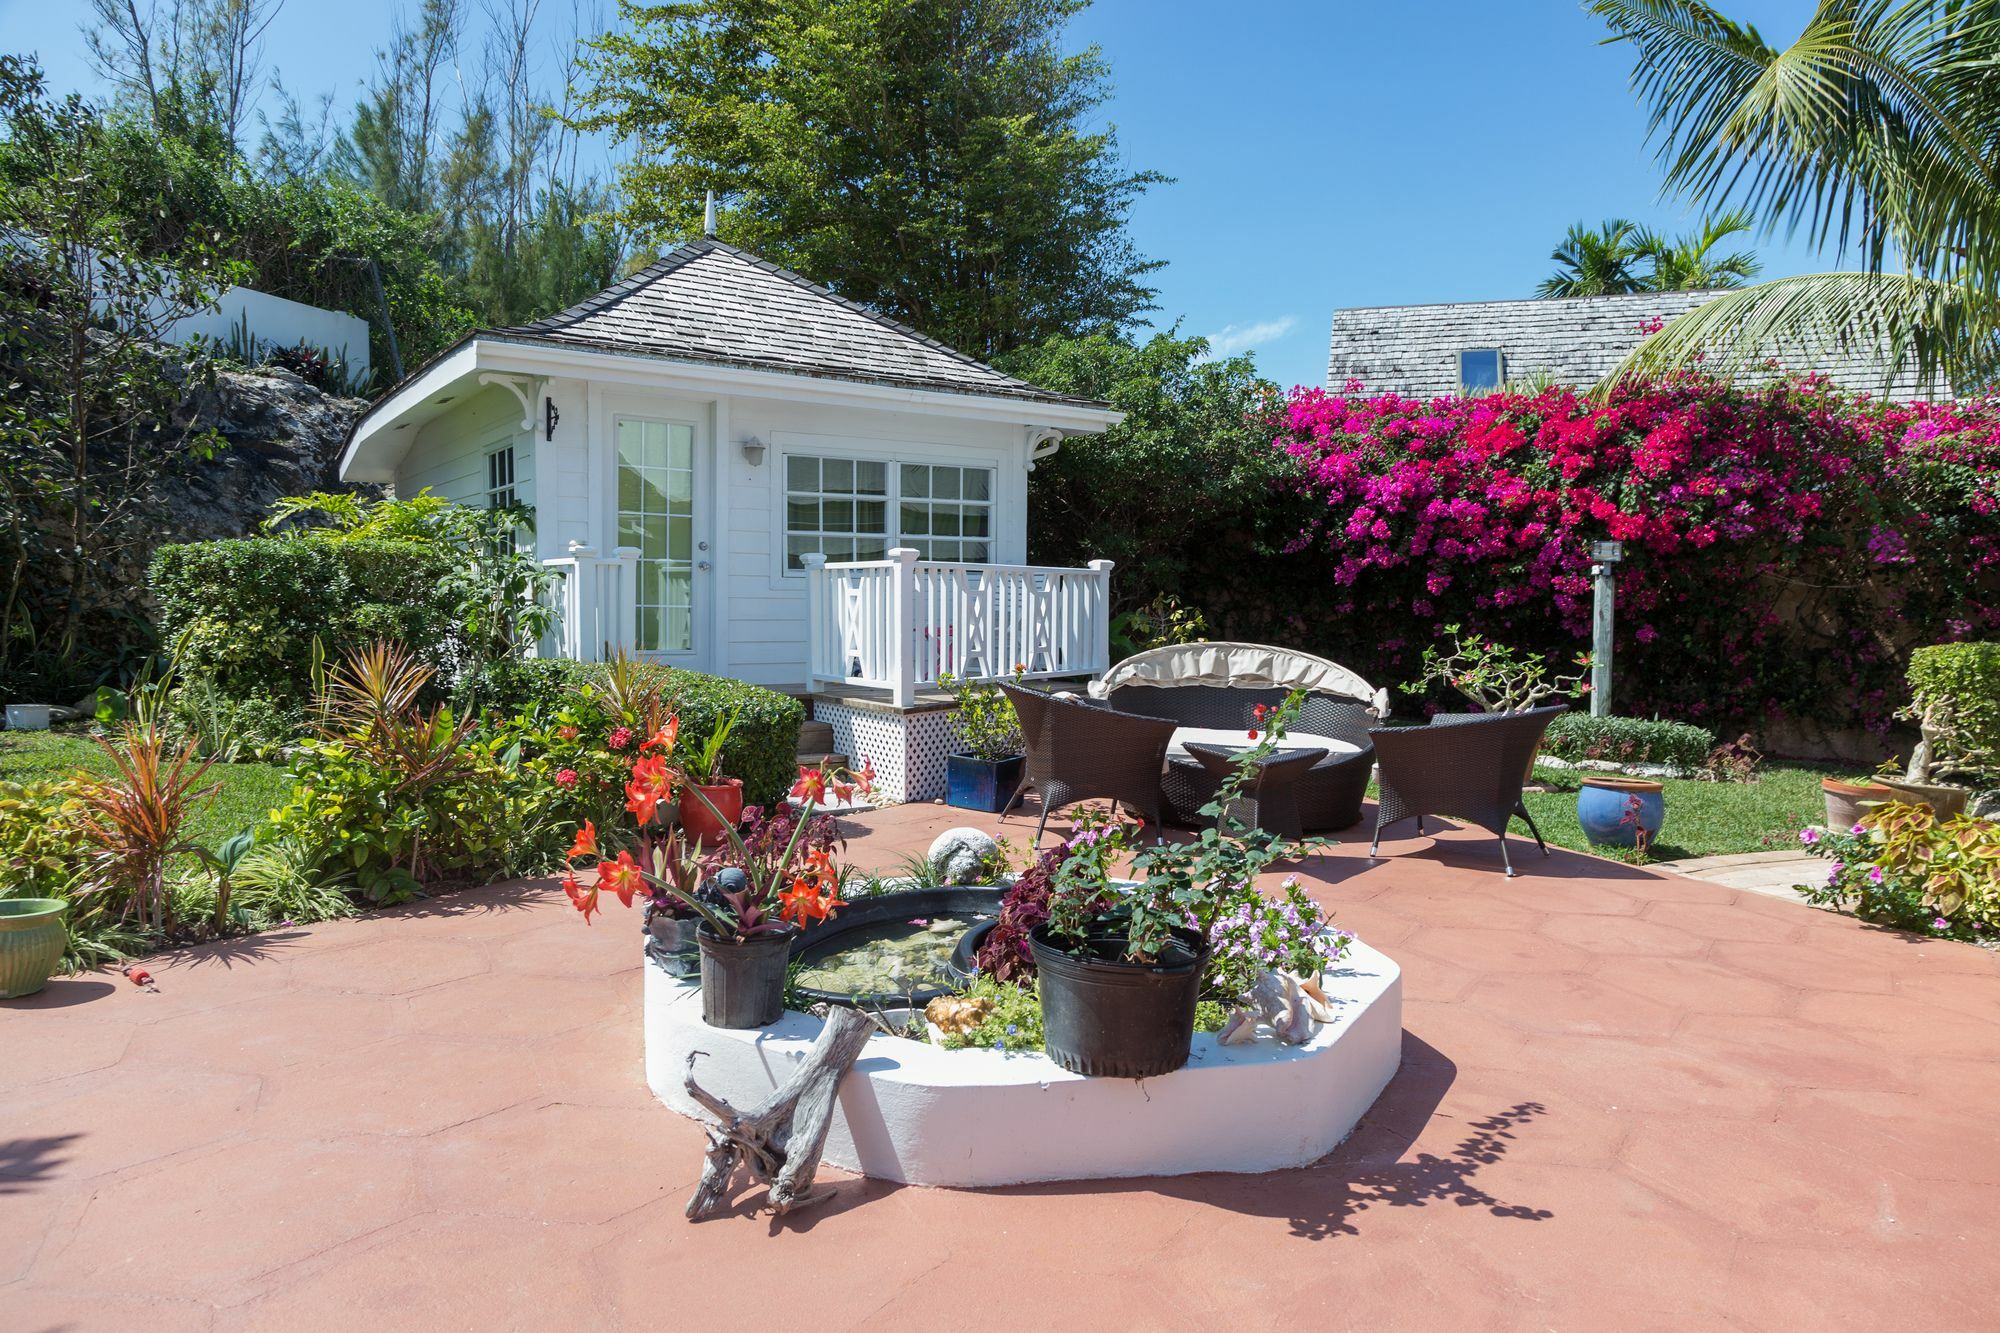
(584, 900)
(586, 841)
(623, 877)
(663, 739)
(808, 901)
(865, 779)
(651, 783)
(811, 785)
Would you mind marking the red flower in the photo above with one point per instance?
(811, 785)
(619, 738)
(651, 783)
(865, 779)
(566, 733)
(586, 841)
(623, 877)
(566, 777)
(663, 739)
(585, 900)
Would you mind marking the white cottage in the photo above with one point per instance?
(742, 473)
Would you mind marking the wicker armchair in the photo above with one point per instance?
(1080, 750)
(1470, 766)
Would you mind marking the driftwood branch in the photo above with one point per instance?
(781, 1138)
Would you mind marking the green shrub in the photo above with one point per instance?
(764, 744)
(244, 613)
(1628, 740)
(1955, 696)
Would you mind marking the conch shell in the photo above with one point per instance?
(1239, 1029)
(956, 1015)
(1283, 1004)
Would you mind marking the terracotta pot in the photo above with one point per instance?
(699, 823)
(1847, 802)
(1945, 802)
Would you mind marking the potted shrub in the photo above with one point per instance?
(986, 774)
(1955, 702)
(1121, 965)
(711, 804)
(756, 897)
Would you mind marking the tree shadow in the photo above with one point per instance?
(1368, 1171)
(25, 1163)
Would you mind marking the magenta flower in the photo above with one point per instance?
(1809, 836)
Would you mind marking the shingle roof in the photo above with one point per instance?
(1413, 349)
(706, 301)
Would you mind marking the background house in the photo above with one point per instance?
(1473, 346)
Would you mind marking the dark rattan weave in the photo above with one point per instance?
(1081, 751)
(1329, 796)
(1470, 766)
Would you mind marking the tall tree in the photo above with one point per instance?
(1875, 129)
(932, 159)
(395, 143)
(204, 56)
(1690, 262)
(1596, 263)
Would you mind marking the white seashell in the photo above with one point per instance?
(1239, 1029)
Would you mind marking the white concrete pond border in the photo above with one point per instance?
(922, 1115)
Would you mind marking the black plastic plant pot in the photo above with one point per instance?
(743, 983)
(1113, 1019)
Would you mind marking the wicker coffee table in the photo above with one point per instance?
(1270, 802)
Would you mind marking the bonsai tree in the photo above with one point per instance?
(1955, 702)
(1498, 678)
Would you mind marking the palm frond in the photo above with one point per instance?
(1932, 330)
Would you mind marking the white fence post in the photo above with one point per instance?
(816, 609)
(903, 627)
(624, 598)
(1100, 629)
(581, 604)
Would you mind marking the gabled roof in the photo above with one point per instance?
(709, 302)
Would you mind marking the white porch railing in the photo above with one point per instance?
(595, 606)
(899, 624)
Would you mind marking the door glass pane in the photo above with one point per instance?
(656, 514)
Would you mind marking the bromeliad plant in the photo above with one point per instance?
(779, 877)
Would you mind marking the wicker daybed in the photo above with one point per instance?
(1209, 690)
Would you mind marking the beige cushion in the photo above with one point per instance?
(1292, 740)
(1256, 666)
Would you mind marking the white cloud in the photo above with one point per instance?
(1247, 337)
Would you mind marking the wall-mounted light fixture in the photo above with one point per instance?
(550, 416)
(753, 451)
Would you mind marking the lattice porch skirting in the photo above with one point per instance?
(907, 747)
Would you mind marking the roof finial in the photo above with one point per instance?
(708, 217)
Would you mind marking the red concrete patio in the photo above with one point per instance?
(1627, 1101)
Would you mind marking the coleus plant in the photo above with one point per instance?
(794, 886)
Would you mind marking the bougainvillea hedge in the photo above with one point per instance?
(1786, 547)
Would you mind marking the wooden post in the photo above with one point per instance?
(816, 596)
(1603, 615)
(902, 627)
(1100, 618)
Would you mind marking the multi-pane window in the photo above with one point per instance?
(947, 512)
(656, 514)
(500, 491)
(839, 506)
(856, 509)
(1481, 369)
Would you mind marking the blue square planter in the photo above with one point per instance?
(972, 783)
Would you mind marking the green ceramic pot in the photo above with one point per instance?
(31, 942)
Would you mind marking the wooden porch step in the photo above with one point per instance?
(815, 760)
(815, 738)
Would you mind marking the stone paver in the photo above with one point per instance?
(1628, 1100)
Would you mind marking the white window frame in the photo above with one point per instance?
(842, 449)
(990, 504)
(820, 495)
(1499, 370)
(511, 488)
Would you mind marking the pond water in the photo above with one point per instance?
(891, 958)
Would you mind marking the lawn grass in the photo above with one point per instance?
(1703, 818)
(248, 791)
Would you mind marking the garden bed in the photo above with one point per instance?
(917, 1113)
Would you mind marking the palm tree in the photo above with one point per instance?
(1595, 263)
(1689, 263)
(1875, 129)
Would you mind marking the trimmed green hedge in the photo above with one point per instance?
(244, 612)
(1628, 740)
(1956, 686)
(762, 748)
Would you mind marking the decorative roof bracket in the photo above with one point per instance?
(518, 386)
(1043, 441)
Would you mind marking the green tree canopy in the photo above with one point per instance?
(932, 159)
(1600, 262)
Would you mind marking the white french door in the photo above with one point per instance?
(657, 460)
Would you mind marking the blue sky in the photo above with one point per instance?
(1326, 154)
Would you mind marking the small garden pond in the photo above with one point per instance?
(896, 946)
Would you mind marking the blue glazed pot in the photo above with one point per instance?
(1605, 807)
(972, 783)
